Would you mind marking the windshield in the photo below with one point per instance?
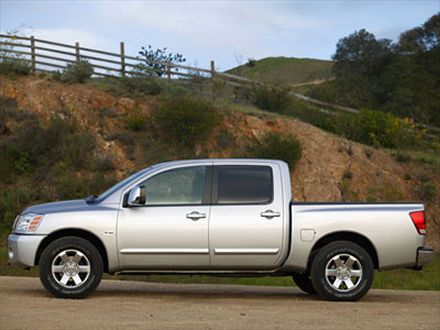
(122, 183)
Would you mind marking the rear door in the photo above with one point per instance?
(246, 220)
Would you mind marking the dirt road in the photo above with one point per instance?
(24, 304)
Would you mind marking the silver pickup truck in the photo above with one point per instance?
(220, 217)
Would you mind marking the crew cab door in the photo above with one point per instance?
(247, 216)
(171, 230)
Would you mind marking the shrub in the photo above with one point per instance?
(186, 120)
(135, 120)
(225, 139)
(78, 148)
(12, 201)
(402, 158)
(311, 114)
(376, 128)
(15, 66)
(427, 191)
(275, 146)
(251, 62)
(154, 60)
(36, 145)
(273, 98)
(77, 72)
(141, 86)
(103, 163)
(125, 139)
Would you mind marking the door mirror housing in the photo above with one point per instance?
(137, 196)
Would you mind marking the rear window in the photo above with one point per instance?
(243, 184)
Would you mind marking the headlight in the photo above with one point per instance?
(28, 223)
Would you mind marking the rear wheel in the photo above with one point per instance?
(303, 281)
(71, 267)
(342, 271)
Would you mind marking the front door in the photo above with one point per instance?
(171, 230)
(246, 222)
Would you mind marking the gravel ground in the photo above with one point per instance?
(24, 304)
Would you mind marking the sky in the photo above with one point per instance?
(228, 32)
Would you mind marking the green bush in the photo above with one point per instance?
(77, 72)
(273, 98)
(103, 163)
(12, 201)
(78, 149)
(15, 66)
(225, 139)
(311, 114)
(427, 191)
(376, 128)
(275, 146)
(135, 120)
(35, 145)
(70, 185)
(141, 85)
(186, 120)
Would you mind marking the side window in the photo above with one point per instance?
(243, 184)
(176, 187)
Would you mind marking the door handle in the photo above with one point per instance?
(269, 214)
(196, 215)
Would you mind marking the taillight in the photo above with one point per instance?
(419, 220)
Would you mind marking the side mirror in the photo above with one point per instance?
(137, 196)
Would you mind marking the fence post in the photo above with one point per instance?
(169, 72)
(122, 59)
(212, 69)
(78, 58)
(33, 64)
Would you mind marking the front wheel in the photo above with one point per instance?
(342, 271)
(71, 267)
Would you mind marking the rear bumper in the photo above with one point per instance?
(22, 249)
(424, 257)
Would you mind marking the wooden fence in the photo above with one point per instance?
(48, 56)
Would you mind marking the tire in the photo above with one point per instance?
(342, 271)
(303, 281)
(77, 268)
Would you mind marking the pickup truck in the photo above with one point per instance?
(230, 217)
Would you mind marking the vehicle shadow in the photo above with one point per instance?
(197, 291)
(115, 289)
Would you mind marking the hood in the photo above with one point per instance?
(56, 207)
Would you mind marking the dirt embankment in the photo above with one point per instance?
(331, 168)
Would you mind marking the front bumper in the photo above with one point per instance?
(424, 257)
(22, 249)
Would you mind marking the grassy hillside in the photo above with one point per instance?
(285, 69)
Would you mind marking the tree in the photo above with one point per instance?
(401, 78)
(421, 39)
(156, 61)
(362, 53)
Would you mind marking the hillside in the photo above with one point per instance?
(331, 168)
(286, 69)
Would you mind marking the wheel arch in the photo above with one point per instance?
(92, 238)
(356, 238)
